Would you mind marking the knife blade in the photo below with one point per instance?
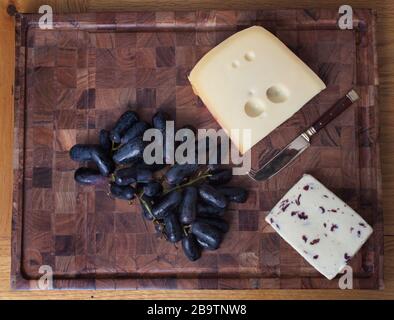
(283, 158)
(295, 148)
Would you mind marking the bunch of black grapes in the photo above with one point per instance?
(187, 203)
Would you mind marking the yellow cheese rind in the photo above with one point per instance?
(253, 81)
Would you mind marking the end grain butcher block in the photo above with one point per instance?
(77, 78)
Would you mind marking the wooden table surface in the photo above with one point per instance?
(385, 37)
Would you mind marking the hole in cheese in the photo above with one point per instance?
(250, 56)
(277, 94)
(254, 107)
(235, 64)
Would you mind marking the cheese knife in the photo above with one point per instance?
(287, 155)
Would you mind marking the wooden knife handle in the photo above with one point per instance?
(335, 110)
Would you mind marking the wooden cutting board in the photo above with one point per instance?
(79, 77)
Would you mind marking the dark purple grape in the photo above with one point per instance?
(122, 192)
(159, 120)
(151, 167)
(204, 245)
(130, 175)
(130, 152)
(221, 177)
(211, 196)
(103, 162)
(125, 122)
(82, 152)
(135, 131)
(179, 172)
(126, 176)
(188, 206)
(86, 152)
(234, 194)
(215, 168)
(191, 247)
(220, 224)
(89, 176)
(152, 189)
(206, 210)
(207, 234)
(173, 228)
(167, 204)
(144, 175)
(105, 141)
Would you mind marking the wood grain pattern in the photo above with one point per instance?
(6, 116)
(385, 54)
(88, 245)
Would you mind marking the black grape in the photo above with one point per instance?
(206, 210)
(159, 120)
(89, 176)
(82, 152)
(234, 194)
(151, 167)
(191, 248)
(215, 168)
(152, 189)
(188, 206)
(205, 245)
(103, 162)
(144, 175)
(179, 172)
(221, 177)
(207, 234)
(129, 152)
(126, 176)
(173, 228)
(211, 196)
(125, 122)
(167, 204)
(135, 131)
(86, 152)
(105, 141)
(122, 192)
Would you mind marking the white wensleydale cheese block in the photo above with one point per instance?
(319, 225)
(253, 81)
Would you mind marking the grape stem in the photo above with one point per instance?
(186, 230)
(147, 207)
(114, 147)
(187, 184)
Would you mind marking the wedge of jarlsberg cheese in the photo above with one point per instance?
(319, 225)
(253, 81)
